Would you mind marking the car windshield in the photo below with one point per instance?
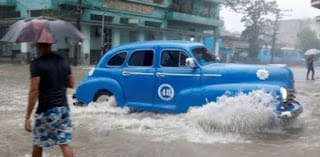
(203, 56)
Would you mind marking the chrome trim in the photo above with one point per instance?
(296, 111)
(212, 75)
(173, 74)
(188, 75)
(160, 74)
(127, 73)
(176, 68)
(284, 94)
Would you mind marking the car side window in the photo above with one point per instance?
(118, 59)
(173, 58)
(141, 58)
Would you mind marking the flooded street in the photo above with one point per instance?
(101, 130)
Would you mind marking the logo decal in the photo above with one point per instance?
(262, 74)
(166, 92)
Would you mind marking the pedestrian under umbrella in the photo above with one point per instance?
(50, 77)
(310, 66)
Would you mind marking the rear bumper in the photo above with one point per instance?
(76, 102)
(292, 112)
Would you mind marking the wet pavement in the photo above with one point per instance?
(101, 130)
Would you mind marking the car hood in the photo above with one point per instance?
(242, 73)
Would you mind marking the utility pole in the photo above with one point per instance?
(279, 16)
(77, 46)
(102, 30)
(216, 35)
(274, 36)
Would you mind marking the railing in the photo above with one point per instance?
(189, 10)
(7, 2)
(90, 3)
(193, 19)
(215, 1)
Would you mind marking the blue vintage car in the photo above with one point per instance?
(172, 76)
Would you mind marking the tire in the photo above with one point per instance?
(105, 97)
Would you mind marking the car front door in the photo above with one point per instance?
(177, 86)
(138, 79)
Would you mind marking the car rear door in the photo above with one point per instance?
(138, 79)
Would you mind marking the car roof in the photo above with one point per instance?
(161, 43)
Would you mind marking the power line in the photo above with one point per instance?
(279, 16)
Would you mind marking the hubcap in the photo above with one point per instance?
(108, 99)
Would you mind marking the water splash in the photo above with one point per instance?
(244, 113)
(229, 120)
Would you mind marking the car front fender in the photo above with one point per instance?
(211, 92)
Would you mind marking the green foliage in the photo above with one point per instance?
(256, 19)
(307, 39)
(236, 5)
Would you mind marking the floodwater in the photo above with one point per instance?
(230, 127)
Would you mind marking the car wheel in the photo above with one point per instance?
(104, 96)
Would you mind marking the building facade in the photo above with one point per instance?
(109, 23)
(288, 30)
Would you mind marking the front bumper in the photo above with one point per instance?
(291, 112)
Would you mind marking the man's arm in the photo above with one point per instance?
(70, 81)
(32, 99)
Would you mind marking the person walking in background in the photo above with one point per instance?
(50, 77)
(310, 67)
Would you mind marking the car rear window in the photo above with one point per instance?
(118, 59)
(141, 58)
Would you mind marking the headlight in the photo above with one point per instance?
(284, 94)
(91, 72)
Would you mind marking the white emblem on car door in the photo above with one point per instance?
(166, 92)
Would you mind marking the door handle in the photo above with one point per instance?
(126, 73)
(160, 74)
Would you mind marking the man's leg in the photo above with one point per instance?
(312, 73)
(308, 73)
(36, 151)
(66, 150)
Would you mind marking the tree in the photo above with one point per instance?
(307, 39)
(257, 20)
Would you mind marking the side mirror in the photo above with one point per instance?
(190, 62)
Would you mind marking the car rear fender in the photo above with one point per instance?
(86, 90)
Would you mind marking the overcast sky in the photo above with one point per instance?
(299, 9)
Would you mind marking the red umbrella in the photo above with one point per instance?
(42, 29)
